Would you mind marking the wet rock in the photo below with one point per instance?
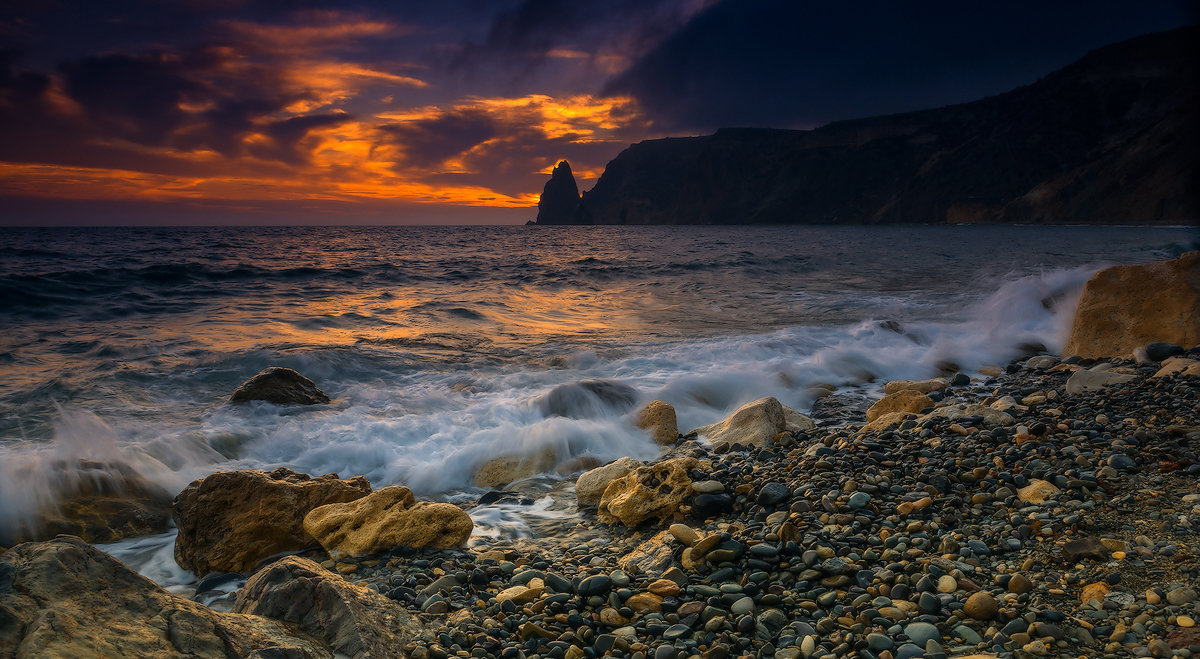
(794, 421)
(753, 424)
(652, 492)
(658, 418)
(591, 484)
(504, 469)
(281, 386)
(588, 399)
(65, 598)
(903, 400)
(351, 620)
(1127, 306)
(384, 519)
(230, 520)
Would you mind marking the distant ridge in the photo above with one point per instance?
(1110, 139)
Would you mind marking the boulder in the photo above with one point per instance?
(1128, 306)
(99, 502)
(1037, 491)
(504, 469)
(384, 519)
(1178, 366)
(755, 423)
(794, 421)
(651, 557)
(903, 400)
(588, 399)
(1084, 381)
(658, 417)
(651, 492)
(231, 520)
(884, 421)
(591, 484)
(281, 386)
(354, 621)
(65, 598)
(922, 386)
(957, 411)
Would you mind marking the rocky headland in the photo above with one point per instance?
(1048, 507)
(1110, 139)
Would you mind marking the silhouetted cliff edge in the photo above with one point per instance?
(1110, 139)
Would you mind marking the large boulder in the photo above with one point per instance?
(384, 519)
(354, 621)
(99, 502)
(794, 421)
(658, 417)
(923, 386)
(231, 520)
(651, 492)
(755, 423)
(1127, 306)
(65, 598)
(903, 400)
(591, 484)
(281, 386)
(588, 399)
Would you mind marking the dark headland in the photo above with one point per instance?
(1110, 139)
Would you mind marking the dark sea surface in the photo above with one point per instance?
(437, 344)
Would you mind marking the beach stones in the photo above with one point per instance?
(384, 519)
(1085, 547)
(230, 520)
(651, 492)
(654, 556)
(753, 424)
(981, 606)
(1037, 491)
(921, 386)
(591, 484)
(903, 400)
(658, 418)
(281, 386)
(1127, 306)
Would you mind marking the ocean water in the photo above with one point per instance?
(441, 345)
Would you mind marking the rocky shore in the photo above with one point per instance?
(1049, 507)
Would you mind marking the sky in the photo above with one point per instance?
(455, 111)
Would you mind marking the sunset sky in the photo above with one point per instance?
(292, 112)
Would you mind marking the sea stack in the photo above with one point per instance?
(560, 198)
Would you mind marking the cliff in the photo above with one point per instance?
(1110, 139)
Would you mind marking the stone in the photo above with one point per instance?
(1085, 381)
(1127, 306)
(65, 598)
(280, 386)
(658, 417)
(1020, 584)
(231, 520)
(922, 386)
(560, 197)
(588, 399)
(651, 492)
(957, 411)
(352, 620)
(1178, 366)
(97, 501)
(1180, 596)
(753, 424)
(591, 484)
(981, 606)
(1160, 350)
(384, 519)
(653, 556)
(1040, 362)
(921, 633)
(645, 603)
(1085, 547)
(685, 534)
(794, 421)
(885, 421)
(1037, 491)
(1094, 591)
(504, 469)
(904, 400)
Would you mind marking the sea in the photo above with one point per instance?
(440, 346)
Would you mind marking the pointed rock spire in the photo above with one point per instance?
(560, 198)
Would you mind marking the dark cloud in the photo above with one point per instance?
(783, 63)
(432, 141)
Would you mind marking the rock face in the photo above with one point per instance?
(352, 620)
(591, 484)
(281, 386)
(1127, 306)
(560, 197)
(384, 519)
(230, 520)
(65, 598)
(652, 492)
(903, 400)
(658, 417)
(754, 423)
(99, 502)
(1137, 98)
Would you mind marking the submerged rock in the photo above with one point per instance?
(231, 520)
(281, 386)
(588, 399)
(65, 598)
(755, 423)
(387, 518)
(1128, 306)
(652, 492)
(658, 417)
(352, 620)
(504, 469)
